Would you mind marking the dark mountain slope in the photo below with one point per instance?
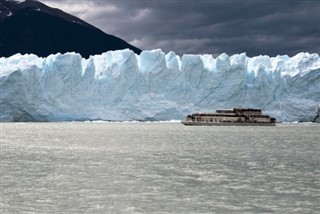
(32, 27)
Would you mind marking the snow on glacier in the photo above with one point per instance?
(120, 85)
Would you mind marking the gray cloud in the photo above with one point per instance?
(204, 26)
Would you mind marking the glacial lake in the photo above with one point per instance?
(158, 168)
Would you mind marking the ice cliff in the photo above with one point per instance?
(120, 85)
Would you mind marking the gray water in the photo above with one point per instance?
(158, 168)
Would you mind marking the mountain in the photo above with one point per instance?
(120, 85)
(32, 27)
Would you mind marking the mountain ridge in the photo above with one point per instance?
(33, 27)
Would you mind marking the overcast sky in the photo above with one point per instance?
(256, 27)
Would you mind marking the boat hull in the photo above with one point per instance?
(191, 123)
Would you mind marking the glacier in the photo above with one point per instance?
(154, 86)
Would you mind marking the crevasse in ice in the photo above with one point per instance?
(120, 85)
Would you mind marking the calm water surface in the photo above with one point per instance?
(158, 168)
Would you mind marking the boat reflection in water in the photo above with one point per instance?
(231, 117)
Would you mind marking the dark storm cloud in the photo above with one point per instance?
(203, 26)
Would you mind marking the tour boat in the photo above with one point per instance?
(230, 117)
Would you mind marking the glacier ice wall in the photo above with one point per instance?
(119, 85)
